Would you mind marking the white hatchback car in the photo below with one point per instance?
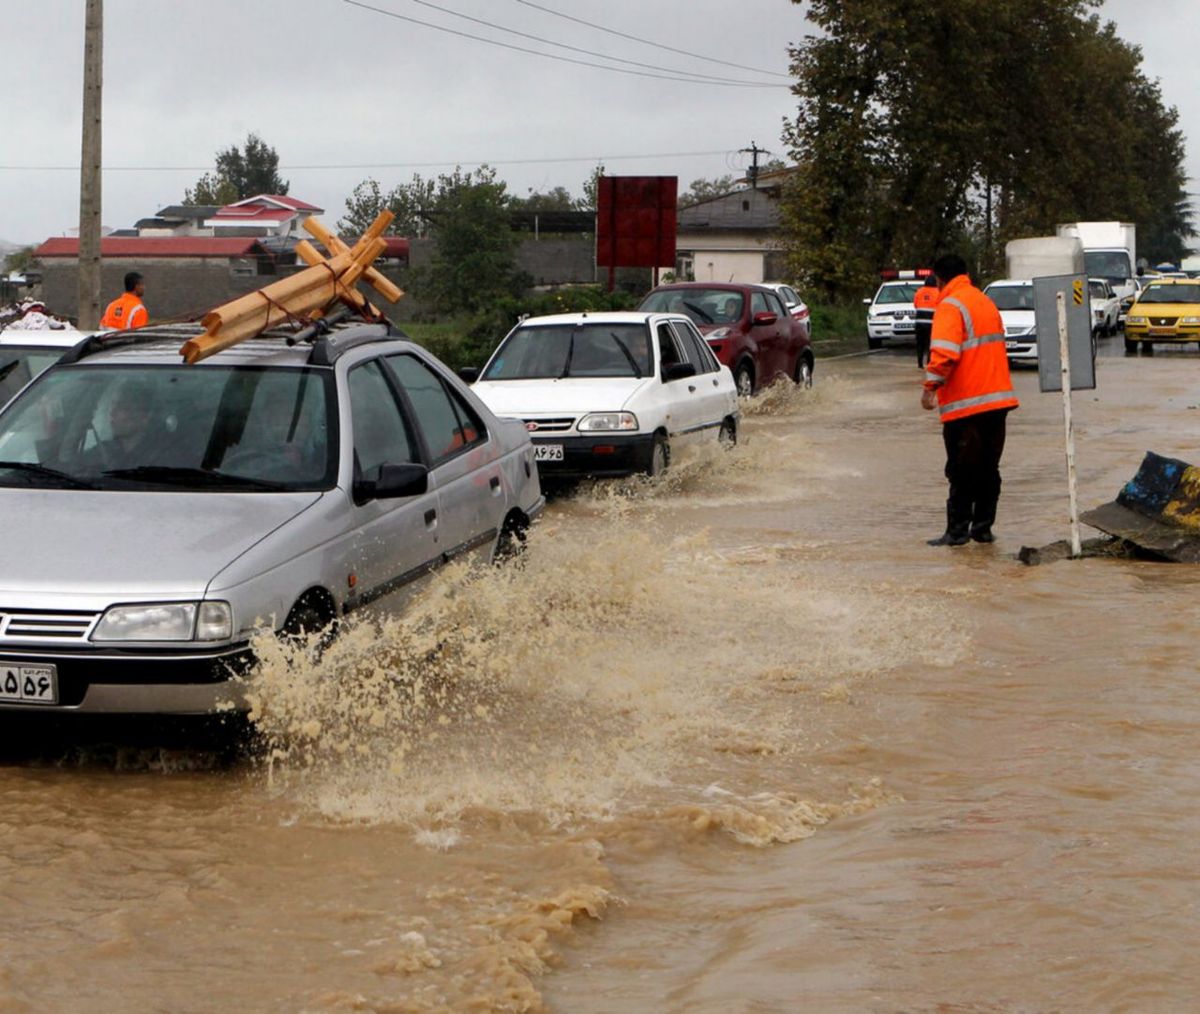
(609, 394)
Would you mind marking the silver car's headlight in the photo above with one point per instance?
(166, 621)
(608, 422)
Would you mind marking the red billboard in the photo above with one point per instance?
(635, 221)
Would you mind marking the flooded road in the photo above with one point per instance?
(735, 741)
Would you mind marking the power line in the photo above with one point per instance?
(380, 165)
(552, 56)
(646, 42)
(705, 78)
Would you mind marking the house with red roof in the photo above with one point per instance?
(262, 215)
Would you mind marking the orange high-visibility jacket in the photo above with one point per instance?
(926, 301)
(124, 312)
(968, 366)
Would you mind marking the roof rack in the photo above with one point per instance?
(331, 338)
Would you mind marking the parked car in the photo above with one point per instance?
(1167, 311)
(796, 307)
(746, 326)
(1106, 307)
(25, 354)
(158, 514)
(891, 315)
(1014, 300)
(608, 394)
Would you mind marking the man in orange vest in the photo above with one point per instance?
(925, 300)
(967, 381)
(127, 310)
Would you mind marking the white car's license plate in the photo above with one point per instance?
(28, 684)
(547, 452)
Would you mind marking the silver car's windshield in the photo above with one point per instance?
(19, 364)
(197, 429)
(573, 350)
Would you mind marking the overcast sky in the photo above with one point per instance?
(331, 84)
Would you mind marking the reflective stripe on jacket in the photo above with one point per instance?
(124, 312)
(926, 301)
(968, 365)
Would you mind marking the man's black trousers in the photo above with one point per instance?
(924, 329)
(974, 445)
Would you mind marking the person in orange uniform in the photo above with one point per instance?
(925, 300)
(967, 381)
(127, 310)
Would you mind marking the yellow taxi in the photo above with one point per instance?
(1166, 312)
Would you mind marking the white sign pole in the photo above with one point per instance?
(1065, 355)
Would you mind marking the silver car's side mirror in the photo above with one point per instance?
(394, 482)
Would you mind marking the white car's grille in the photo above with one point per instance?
(560, 425)
(1015, 330)
(29, 625)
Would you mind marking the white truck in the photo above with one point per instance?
(1109, 251)
(1025, 260)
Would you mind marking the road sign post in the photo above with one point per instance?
(1066, 361)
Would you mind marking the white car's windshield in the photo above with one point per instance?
(172, 427)
(1010, 297)
(573, 350)
(896, 294)
(19, 364)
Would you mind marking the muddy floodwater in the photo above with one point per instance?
(735, 741)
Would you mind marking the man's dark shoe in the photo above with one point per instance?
(982, 533)
(950, 538)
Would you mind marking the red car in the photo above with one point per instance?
(747, 326)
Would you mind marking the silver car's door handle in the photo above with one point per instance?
(430, 518)
(494, 482)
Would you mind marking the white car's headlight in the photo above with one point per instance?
(608, 422)
(1135, 320)
(166, 621)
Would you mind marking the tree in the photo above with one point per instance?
(475, 261)
(240, 173)
(409, 202)
(19, 261)
(558, 199)
(703, 190)
(920, 130)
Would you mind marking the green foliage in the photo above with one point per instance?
(557, 199)
(239, 173)
(468, 339)
(475, 261)
(923, 129)
(409, 202)
(703, 190)
(19, 261)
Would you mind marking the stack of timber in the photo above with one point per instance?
(306, 296)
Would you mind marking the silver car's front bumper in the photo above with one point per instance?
(133, 683)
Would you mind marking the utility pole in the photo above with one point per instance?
(89, 168)
(753, 151)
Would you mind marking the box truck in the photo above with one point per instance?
(1109, 251)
